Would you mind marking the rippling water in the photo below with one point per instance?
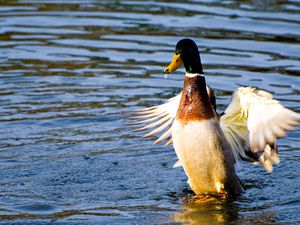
(69, 69)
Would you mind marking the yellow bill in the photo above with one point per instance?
(176, 62)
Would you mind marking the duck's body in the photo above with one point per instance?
(205, 157)
(208, 145)
(199, 142)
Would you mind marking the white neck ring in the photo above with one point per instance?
(194, 74)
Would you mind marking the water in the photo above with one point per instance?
(71, 69)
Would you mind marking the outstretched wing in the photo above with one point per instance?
(158, 119)
(252, 122)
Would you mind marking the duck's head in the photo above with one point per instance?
(186, 53)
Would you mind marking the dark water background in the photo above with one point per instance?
(70, 68)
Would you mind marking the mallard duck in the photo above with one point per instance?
(207, 144)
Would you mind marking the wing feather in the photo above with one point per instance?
(158, 129)
(158, 118)
(161, 120)
(253, 121)
(164, 136)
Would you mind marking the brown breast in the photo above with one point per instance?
(195, 104)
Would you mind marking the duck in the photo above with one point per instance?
(209, 145)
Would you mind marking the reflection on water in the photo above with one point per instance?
(221, 213)
(69, 71)
(207, 213)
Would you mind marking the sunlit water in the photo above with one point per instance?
(71, 69)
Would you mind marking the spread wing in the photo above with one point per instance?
(252, 122)
(158, 119)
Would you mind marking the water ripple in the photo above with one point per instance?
(71, 70)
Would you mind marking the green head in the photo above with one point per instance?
(186, 53)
